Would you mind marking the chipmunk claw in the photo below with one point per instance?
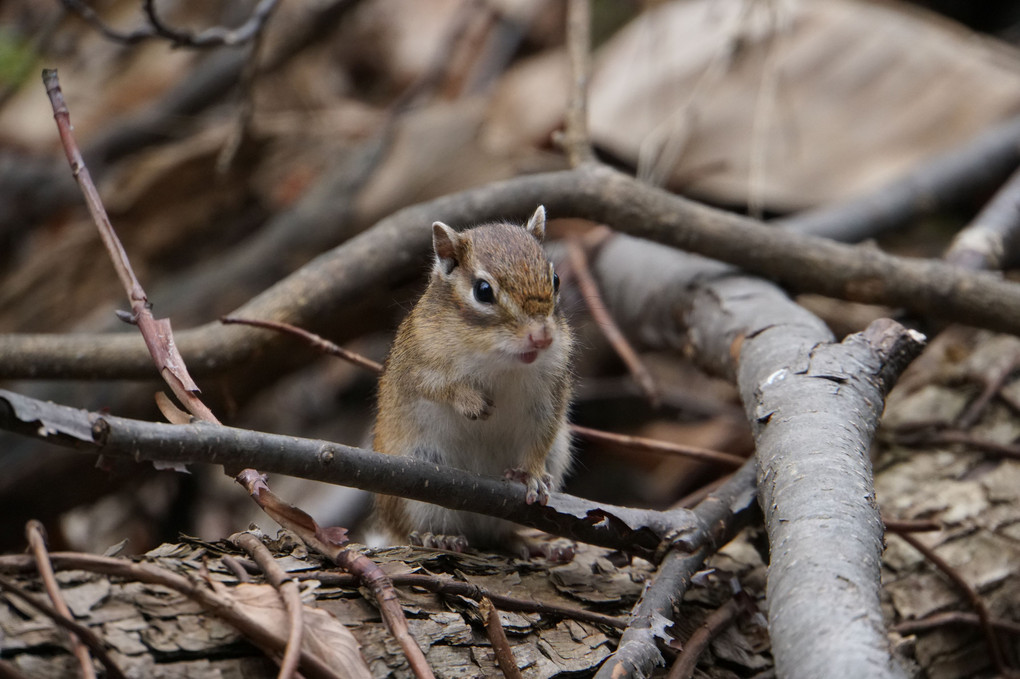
(538, 486)
(451, 543)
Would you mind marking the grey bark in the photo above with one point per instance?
(814, 406)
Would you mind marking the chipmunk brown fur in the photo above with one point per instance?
(479, 378)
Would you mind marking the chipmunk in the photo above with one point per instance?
(478, 378)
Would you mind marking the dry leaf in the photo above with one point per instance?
(324, 636)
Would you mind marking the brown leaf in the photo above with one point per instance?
(324, 636)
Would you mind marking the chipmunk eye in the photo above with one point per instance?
(483, 291)
(556, 283)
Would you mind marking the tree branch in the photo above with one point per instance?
(636, 530)
(724, 512)
(336, 282)
(745, 328)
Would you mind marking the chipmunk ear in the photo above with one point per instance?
(445, 241)
(536, 225)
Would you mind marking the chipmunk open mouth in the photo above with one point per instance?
(528, 356)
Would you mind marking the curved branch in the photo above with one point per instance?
(337, 281)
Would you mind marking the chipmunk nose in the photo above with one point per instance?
(539, 336)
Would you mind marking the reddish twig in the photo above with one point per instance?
(497, 637)
(83, 633)
(720, 619)
(289, 594)
(35, 534)
(315, 341)
(911, 525)
(654, 446)
(590, 292)
(329, 542)
(976, 602)
(157, 333)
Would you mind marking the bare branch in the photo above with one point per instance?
(157, 334)
(216, 36)
(722, 514)
(575, 138)
(992, 240)
(636, 530)
(950, 179)
(388, 251)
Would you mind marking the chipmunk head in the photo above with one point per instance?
(502, 284)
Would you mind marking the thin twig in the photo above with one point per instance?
(976, 602)
(80, 631)
(575, 138)
(720, 619)
(590, 292)
(329, 543)
(497, 637)
(315, 341)
(35, 534)
(289, 594)
(963, 438)
(912, 525)
(993, 385)
(953, 618)
(216, 36)
(654, 446)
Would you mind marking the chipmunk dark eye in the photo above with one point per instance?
(483, 291)
(556, 282)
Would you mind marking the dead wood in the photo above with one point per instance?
(723, 513)
(636, 530)
(744, 327)
(947, 181)
(328, 290)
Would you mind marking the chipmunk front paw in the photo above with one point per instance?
(473, 404)
(538, 486)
